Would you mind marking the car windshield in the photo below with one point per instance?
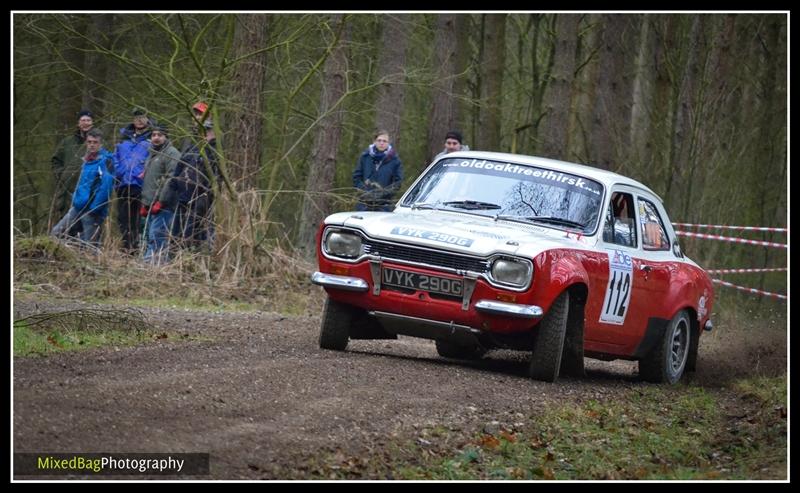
(510, 191)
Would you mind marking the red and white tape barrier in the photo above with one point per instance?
(744, 271)
(737, 228)
(751, 290)
(733, 240)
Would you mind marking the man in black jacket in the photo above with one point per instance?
(194, 220)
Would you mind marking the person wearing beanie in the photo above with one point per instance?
(159, 198)
(67, 162)
(378, 174)
(129, 158)
(89, 206)
(453, 142)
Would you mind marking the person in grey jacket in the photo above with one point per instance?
(159, 199)
(452, 143)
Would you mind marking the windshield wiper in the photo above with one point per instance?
(423, 205)
(543, 219)
(556, 220)
(472, 205)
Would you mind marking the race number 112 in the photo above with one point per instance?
(618, 291)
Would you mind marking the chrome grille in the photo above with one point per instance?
(437, 258)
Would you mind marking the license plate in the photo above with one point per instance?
(422, 282)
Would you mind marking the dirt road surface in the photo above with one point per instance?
(255, 391)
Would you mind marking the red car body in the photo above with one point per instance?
(437, 271)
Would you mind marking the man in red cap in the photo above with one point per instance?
(199, 109)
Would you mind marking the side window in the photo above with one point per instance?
(654, 236)
(619, 227)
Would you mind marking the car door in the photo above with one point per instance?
(657, 258)
(616, 289)
(631, 276)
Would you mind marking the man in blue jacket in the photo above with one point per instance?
(378, 175)
(129, 158)
(92, 194)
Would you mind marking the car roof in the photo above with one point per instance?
(607, 178)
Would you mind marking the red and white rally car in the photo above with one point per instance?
(489, 250)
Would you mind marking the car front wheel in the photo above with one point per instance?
(667, 361)
(335, 330)
(549, 344)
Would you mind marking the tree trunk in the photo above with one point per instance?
(772, 136)
(610, 125)
(656, 157)
(317, 202)
(683, 131)
(391, 70)
(96, 64)
(70, 90)
(243, 133)
(458, 119)
(643, 84)
(442, 107)
(492, 66)
(554, 129)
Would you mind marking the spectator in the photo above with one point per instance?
(67, 161)
(159, 199)
(452, 143)
(129, 158)
(194, 222)
(199, 110)
(92, 193)
(378, 175)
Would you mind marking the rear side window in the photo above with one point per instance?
(654, 236)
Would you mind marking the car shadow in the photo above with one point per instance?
(512, 364)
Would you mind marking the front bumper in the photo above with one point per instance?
(339, 282)
(484, 313)
(532, 312)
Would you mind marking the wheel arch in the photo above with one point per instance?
(561, 273)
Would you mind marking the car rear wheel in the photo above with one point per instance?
(336, 319)
(549, 344)
(667, 361)
(449, 350)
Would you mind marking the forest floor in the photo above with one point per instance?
(252, 388)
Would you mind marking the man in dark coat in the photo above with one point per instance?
(67, 162)
(378, 174)
(194, 219)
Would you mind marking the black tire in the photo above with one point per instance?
(549, 344)
(334, 331)
(666, 363)
(572, 363)
(449, 350)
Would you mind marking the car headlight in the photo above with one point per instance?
(341, 244)
(512, 272)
